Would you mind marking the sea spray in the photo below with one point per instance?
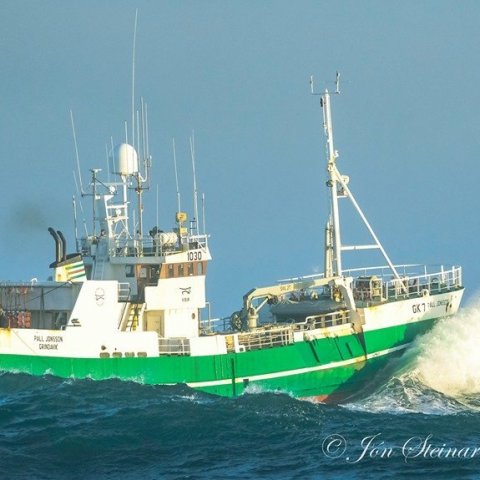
(438, 375)
(448, 358)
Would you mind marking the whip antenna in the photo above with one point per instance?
(76, 154)
(133, 74)
(176, 174)
(195, 193)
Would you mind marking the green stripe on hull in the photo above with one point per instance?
(327, 367)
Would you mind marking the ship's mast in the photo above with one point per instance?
(95, 172)
(338, 185)
(332, 182)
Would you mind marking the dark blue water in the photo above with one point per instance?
(421, 421)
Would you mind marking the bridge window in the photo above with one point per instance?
(181, 270)
(174, 270)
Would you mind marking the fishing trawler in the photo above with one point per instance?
(128, 305)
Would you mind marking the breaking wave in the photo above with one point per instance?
(439, 374)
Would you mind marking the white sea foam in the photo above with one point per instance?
(439, 374)
(448, 357)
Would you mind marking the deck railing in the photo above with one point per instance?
(124, 290)
(333, 319)
(152, 247)
(274, 337)
(173, 346)
(415, 280)
(214, 325)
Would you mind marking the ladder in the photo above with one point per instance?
(135, 315)
(99, 268)
(100, 259)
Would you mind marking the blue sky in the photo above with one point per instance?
(406, 125)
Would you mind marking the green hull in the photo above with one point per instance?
(327, 369)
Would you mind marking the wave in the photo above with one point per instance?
(439, 374)
(449, 359)
(113, 429)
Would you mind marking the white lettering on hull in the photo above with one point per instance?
(49, 342)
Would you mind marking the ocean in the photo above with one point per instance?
(420, 418)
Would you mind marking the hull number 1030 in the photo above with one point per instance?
(194, 256)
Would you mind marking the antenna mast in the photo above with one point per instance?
(332, 155)
(94, 195)
(203, 213)
(76, 153)
(156, 216)
(338, 185)
(133, 75)
(195, 193)
(74, 205)
(176, 174)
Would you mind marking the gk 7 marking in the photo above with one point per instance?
(419, 308)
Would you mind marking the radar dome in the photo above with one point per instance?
(126, 159)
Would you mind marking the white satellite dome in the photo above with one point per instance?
(126, 159)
